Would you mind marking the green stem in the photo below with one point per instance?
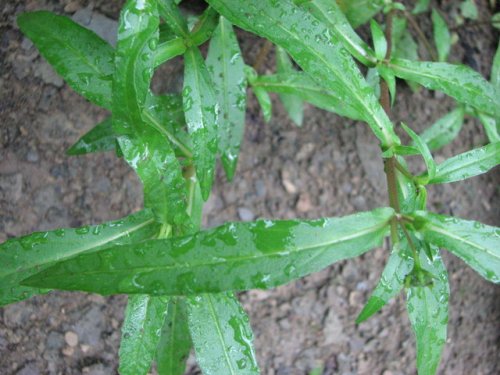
(168, 50)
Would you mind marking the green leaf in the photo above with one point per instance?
(442, 36)
(263, 254)
(421, 6)
(379, 42)
(293, 104)
(100, 138)
(221, 334)
(469, 164)
(171, 14)
(201, 111)
(360, 11)
(458, 81)
(469, 9)
(491, 127)
(428, 312)
(144, 317)
(399, 265)
(495, 20)
(175, 342)
(226, 67)
(82, 58)
(316, 50)
(154, 160)
(330, 13)
(389, 79)
(444, 130)
(168, 50)
(205, 27)
(424, 151)
(495, 69)
(403, 44)
(300, 84)
(135, 53)
(475, 243)
(24, 256)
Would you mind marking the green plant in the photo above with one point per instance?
(181, 279)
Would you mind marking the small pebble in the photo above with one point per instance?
(71, 338)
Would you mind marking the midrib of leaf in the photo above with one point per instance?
(341, 78)
(462, 239)
(435, 77)
(219, 332)
(90, 245)
(168, 15)
(248, 257)
(315, 89)
(172, 138)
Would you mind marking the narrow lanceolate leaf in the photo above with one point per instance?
(491, 127)
(144, 317)
(444, 130)
(201, 111)
(82, 58)
(293, 104)
(458, 81)
(226, 67)
(263, 254)
(428, 312)
(330, 13)
(301, 85)
(424, 151)
(175, 342)
(316, 50)
(100, 138)
(379, 42)
(205, 27)
(24, 256)
(469, 164)
(134, 61)
(475, 243)
(495, 69)
(154, 160)
(221, 334)
(442, 36)
(399, 265)
(172, 16)
(360, 11)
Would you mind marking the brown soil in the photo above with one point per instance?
(329, 167)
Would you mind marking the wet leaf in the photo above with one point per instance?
(221, 334)
(175, 342)
(226, 67)
(205, 27)
(495, 69)
(293, 104)
(379, 42)
(316, 50)
(330, 13)
(144, 317)
(262, 96)
(491, 127)
(82, 58)
(360, 11)
(469, 164)
(403, 44)
(201, 112)
(427, 306)
(24, 256)
(100, 138)
(147, 149)
(424, 151)
(172, 16)
(458, 81)
(475, 243)
(399, 265)
(444, 130)
(389, 79)
(442, 37)
(263, 254)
